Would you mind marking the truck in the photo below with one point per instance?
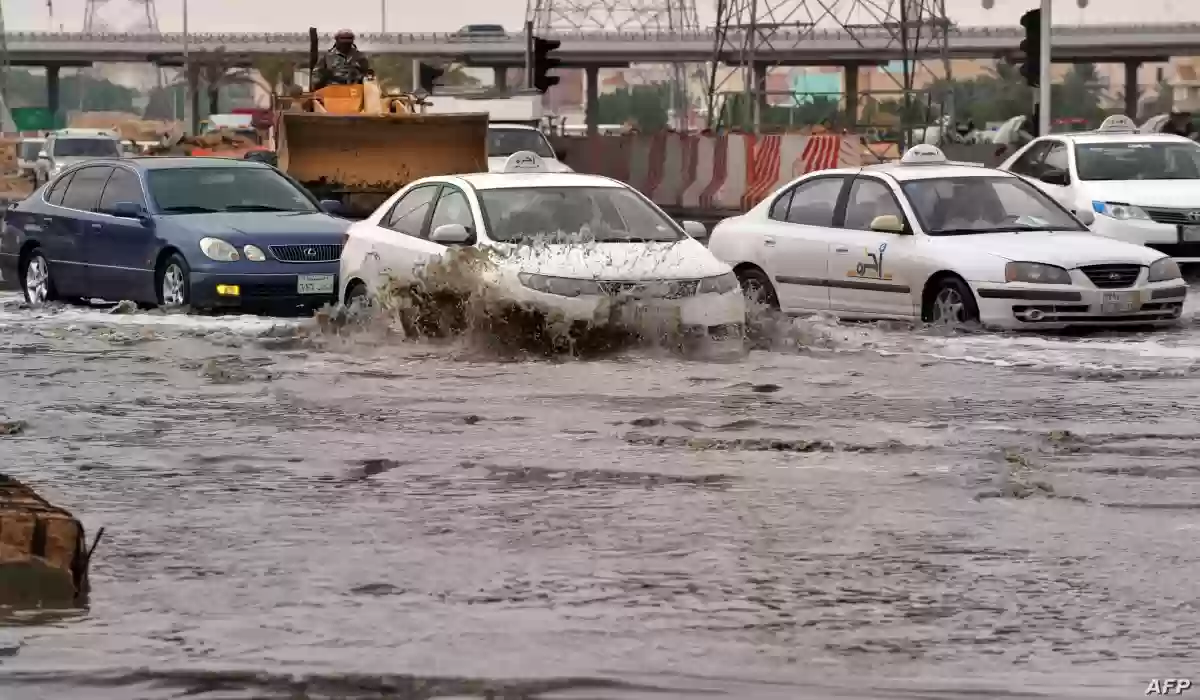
(356, 145)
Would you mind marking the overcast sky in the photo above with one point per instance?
(417, 16)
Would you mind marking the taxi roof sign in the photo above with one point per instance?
(1117, 124)
(923, 154)
(525, 162)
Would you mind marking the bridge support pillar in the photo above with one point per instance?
(53, 90)
(592, 100)
(850, 91)
(758, 74)
(500, 77)
(1132, 88)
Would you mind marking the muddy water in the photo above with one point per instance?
(881, 513)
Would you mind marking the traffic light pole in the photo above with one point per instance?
(1047, 62)
(529, 55)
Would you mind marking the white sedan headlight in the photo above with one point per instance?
(219, 250)
(1037, 273)
(721, 284)
(1120, 211)
(1164, 269)
(253, 253)
(560, 286)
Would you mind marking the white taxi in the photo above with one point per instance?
(1144, 188)
(927, 239)
(573, 243)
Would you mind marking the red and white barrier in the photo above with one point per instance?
(731, 172)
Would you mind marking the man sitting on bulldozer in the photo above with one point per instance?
(343, 64)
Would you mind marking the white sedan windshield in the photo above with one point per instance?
(950, 206)
(600, 214)
(1145, 160)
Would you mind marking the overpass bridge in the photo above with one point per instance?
(1091, 43)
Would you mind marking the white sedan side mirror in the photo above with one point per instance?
(695, 229)
(888, 223)
(451, 234)
(1085, 216)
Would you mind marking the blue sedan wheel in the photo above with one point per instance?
(36, 281)
(174, 288)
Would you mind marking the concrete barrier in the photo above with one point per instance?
(708, 174)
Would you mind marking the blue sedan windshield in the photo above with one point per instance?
(207, 190)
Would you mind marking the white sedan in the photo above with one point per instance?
(1143, 188)
(929, 240)
(576, 244)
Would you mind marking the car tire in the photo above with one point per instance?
(757, 287)
(952, 303)
(173, 282)
(357, 293)
(39, 290)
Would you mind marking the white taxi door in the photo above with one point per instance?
(399, 242)
(796, 242)
(869, 271)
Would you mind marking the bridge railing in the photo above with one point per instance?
(376, 39)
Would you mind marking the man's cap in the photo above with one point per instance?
(344, 34)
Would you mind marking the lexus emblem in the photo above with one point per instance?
(1193, 216)
(1113, 276)
(310, 252)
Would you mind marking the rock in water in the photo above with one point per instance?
(43, 555)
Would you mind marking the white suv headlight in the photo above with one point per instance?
(1120, 211)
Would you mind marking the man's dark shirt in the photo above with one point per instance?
(336, 68)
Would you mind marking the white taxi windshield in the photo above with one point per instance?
(951, 206)
(1138, 160)
(599, 214)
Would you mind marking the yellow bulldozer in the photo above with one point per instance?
(357, 145)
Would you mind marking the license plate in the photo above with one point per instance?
(314, 284)
(1119, 302)
(1189, 234)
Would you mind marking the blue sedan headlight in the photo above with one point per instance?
(219, 250)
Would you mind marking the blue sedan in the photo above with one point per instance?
(174, 232)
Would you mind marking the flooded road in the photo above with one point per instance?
(880, 513)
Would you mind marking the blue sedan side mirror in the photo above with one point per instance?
(130, 210)
(331, 206)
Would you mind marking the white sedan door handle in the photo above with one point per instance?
(768, 241)
(841, 249)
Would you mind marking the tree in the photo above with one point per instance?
(76, 91)
(645, 105)
(1079, 94)
(278, 73)
(396, 73)
(217, 70)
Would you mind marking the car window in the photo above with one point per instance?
(84, 191)
(123, 186)
(58, 189)
(1138, 160)
(595, 214)
(869, 199)
(452, 208)
(502, 142)
(1028, 162)
(408, 213)
(87, 148)
(780, 207)
(1057, 158)
(813, 201)
(954, 206)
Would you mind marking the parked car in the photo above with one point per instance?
(929, 240)
(68, 147)
(569, 242)
(1143, 187)
(174, 232)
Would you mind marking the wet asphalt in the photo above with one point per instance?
(864, 512)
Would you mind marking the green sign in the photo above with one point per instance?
(34, 119)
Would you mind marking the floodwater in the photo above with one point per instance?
(872, 512)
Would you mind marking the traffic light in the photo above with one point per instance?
(543, 63)
(428, 75)
(1031, 46)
